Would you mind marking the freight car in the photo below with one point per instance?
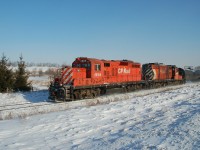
(89, 77)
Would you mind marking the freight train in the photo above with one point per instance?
(90, 77)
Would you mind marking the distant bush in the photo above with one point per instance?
(31, 64)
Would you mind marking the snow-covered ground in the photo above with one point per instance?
(169, 119)
(39, 83)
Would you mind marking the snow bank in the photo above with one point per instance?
(162, 120)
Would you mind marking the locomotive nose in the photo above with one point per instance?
(67, 75)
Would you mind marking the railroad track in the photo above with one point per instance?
(15, 104)
(22, 110)
(23, 106)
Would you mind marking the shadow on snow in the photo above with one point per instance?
(36, 96)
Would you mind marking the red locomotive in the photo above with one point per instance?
(156, 71)
(89, 77)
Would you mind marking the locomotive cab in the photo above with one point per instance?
(83, 62)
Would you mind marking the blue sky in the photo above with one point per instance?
(58, 31)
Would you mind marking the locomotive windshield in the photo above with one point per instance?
(85, 65)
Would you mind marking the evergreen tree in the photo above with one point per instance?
(21, 81)
(6, 75)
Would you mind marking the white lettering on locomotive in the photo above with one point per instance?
(124, 70)
(97, 74)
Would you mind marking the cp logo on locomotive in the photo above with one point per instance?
(123, 70)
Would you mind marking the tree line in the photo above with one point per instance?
(31, 64)
(13, 80)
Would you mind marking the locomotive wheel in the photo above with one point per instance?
(124, 89)
(94, 94)
(129, 88)
(81, 96)
(75, 95)
(78, 95)
(103, 91)
(61, 93)
(98, 91)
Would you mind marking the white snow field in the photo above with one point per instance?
(39, 83)
(151, 119)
